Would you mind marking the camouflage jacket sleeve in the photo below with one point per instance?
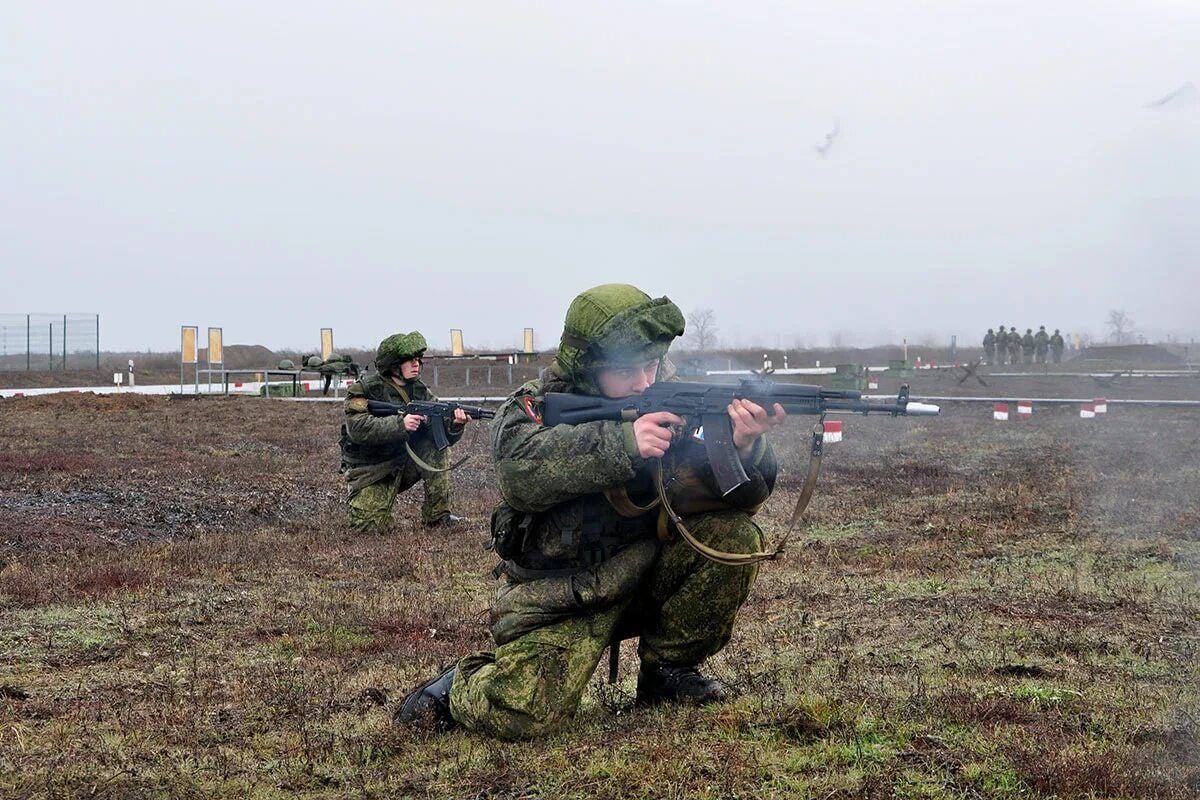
(538, 466)
(366, 429)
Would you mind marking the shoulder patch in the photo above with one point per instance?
(357, 404)
(528, 404)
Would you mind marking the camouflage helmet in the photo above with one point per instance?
(611, 325)
(313, 361)
(287, 363)
(398, 348)
(336, 356)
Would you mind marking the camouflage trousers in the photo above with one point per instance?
(369, 509)
(683, 612)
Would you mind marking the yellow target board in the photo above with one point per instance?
(187, 344)
(216, 353)
(326, 343)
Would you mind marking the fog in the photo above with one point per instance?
(275, 167)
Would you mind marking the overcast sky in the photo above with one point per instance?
(276, 167)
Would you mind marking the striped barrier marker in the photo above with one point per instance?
(1024, 409)
(1000, 411)
(872, 383)
(1101, 405)
(833, 431)
(1087, 411)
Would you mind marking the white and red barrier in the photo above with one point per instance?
(1000, 412)
(833, 431)
(1100, 405)
(872, 383)
(1087, 411)
(1024, 409)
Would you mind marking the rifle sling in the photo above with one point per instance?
(742, 559)
(422, 465)
(618, 497)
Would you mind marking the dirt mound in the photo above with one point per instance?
(245, 356)
(1129, 355)
(86, 402)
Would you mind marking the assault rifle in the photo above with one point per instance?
(704, 407)
(436, 413)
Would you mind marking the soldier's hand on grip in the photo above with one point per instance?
(412, 422)
(750, 421)
(652, 434)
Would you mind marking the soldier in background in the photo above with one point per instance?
(1041, 343)
(1027, 347)
(989, 347)
(374, 456)
(337, 365)
(1001, 346)
(1014, 346)
(589, 558)
(1056, 346)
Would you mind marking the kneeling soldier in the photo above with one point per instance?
(588, 557)
(374, 456)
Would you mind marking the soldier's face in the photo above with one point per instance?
(616, 382)
(410, 369)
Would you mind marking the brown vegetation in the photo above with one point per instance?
(976, 609)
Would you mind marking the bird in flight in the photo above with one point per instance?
(823, 148)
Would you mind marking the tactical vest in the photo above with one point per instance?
(378, 387)
(571, 536)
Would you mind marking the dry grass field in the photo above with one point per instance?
(977, 609)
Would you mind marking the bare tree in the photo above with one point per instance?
(702, 330)
(1121, 326)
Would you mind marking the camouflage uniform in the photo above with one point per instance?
(333, 367)
(1001, 346)
(585, 564)
(1056, 346)
(374, 458)
(989, 346)
(1014, 346)
(1041, 343)
(1027, 345)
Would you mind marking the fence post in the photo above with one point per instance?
(64, 338)
(27, 341)
(98, 343)
(50, 349)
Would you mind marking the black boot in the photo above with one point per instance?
(677, 685)
(446, 520)
(429, 704)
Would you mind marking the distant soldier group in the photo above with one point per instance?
(1012, 348)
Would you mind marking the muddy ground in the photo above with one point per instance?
(976, 609)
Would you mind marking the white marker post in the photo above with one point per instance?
(132, 382)
(1087, 411)
(1000, 412)
(1024, 409)
(1101, 405)
(833, 431)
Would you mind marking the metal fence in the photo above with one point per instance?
(49, 341)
